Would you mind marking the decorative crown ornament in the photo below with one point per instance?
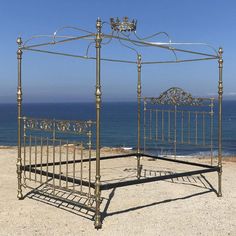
(123, 26)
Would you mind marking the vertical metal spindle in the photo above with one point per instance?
(169, 126)
(203, 128)
(47, 158)
(67, 155)
(162, 121)
(81, 167)
(60, 163)
(35, 158)
(53, 167)
(19, 110)
(182, 127)
(74, 149)
(175, 124)
(24, 161)
(89, 156)
(212, 125)
(150, 124)
(41, 159)
(189, 127)
(156, 125)
(196, 133)
(30, 156)
(144, 124)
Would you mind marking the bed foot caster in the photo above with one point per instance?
(20, 195)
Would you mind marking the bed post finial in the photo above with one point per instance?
(19, 104)
(220, 94)
(97, 219)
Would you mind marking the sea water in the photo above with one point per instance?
(118, 124)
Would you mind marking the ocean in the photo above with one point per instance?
(118, 124)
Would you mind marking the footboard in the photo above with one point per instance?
(56, 157)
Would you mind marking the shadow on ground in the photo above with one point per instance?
(81, 205)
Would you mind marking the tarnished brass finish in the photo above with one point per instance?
(220, 94)
(19, 108)
(97, 219)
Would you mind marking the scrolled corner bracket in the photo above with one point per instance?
(177, 96)
(123, 25)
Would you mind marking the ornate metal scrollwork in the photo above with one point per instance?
(31, 124)
(45, 125)
(62, 126)
(77, 127)
(177, 96)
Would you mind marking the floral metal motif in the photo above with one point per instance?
(77, 127)
(177, 96)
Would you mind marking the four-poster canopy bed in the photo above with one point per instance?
(47, 159)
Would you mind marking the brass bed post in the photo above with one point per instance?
(19, 104)
(97, 219)
(220, 93)
(139, 167)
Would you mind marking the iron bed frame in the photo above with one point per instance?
(34, 168)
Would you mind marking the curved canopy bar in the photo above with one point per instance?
(123, 32)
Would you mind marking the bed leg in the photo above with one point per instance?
(219, 182)
(97, 218)
(139, 167)
(19, 188)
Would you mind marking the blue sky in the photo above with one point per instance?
(48, 78)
